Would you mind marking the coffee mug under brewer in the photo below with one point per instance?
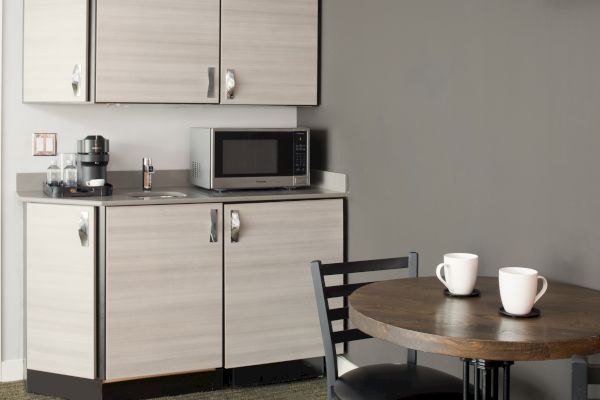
(518, 289)
(460, 272)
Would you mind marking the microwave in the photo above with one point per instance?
(227, 159)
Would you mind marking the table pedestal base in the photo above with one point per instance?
(486, 385)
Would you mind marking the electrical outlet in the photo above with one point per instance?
(44, 144)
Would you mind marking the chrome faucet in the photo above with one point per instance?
(147, 172)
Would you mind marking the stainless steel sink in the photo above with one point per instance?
(156, 195)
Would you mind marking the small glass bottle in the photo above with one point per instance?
(70, 174)
(53, 173)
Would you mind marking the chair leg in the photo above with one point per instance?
(579, 378)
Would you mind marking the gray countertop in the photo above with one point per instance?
(329, 185)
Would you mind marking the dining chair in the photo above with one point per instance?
(583, 374)
(379, 381)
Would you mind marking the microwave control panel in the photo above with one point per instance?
(300, 150)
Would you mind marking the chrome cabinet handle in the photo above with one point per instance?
(230, 83)
(76, 80)
(214, 235)
(83, 228)
(235, 226)
(210, 93)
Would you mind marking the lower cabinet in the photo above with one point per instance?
(178, 288)
(60, 295)
(163, 290)
(270, 308)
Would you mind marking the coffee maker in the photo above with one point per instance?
(92, 153)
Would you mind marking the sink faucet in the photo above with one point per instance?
(147, 172)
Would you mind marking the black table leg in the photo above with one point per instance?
(506, 392)
(487, 376)
(495, 383)
(466, 378)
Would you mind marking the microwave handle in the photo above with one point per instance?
(235, 226)
(230, 83)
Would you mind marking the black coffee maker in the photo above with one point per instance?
(92, 153)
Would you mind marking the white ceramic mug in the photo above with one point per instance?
(95, 182)
(518, 289)
(460, 272)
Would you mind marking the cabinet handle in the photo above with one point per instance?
(210, 93)
(76, 80)
(230, 83)
(83, 228)
(214, 235)
(235, 226)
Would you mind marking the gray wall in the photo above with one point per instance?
(135, 131)
(468, 125)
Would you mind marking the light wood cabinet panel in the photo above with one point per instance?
(60, 290)
(55, 44)
(272, 45)
(270, 308)
(163, 290)
(157, 51)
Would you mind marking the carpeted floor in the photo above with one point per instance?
(303, 390)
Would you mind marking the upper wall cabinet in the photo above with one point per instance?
(172, 51)
(158, 51)
(269, 52)
(55, 51)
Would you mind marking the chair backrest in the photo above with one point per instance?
(582, 375)
(327, 315)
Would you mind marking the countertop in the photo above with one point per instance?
(328, 185)
(193, 195)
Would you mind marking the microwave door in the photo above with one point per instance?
(253, 160)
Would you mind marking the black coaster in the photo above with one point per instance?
(474, 293)
(535, 312)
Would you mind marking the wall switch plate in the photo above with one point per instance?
(44, 144)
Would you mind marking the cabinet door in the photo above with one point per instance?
(61, 306)
(163, 290)
(270, 307)
(157, 51)
(271, 46)
(55, 51)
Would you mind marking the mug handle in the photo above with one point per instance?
(438, 273)
(544, 288)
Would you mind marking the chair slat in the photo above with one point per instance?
(594, 374)
(364, 266)
(337, 314)
(342, 290)
(348, 336)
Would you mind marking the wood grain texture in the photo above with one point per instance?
(55, 37)
(415, 313)
(270, 308)
(273, 47)
(163, 290)
(60, 291)
(157, 51)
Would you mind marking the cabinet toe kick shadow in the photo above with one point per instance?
(90, 389)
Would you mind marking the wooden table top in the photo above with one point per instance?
(415, 313)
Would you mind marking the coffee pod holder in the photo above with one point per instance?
(535, 312)
(61, 191)
(474, 293)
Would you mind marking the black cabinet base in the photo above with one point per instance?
(277, 372)
(72, 388)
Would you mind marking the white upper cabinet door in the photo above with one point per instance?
(157, 51)
(55, 51)
(270, 48)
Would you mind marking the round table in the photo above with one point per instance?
(415, 313)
